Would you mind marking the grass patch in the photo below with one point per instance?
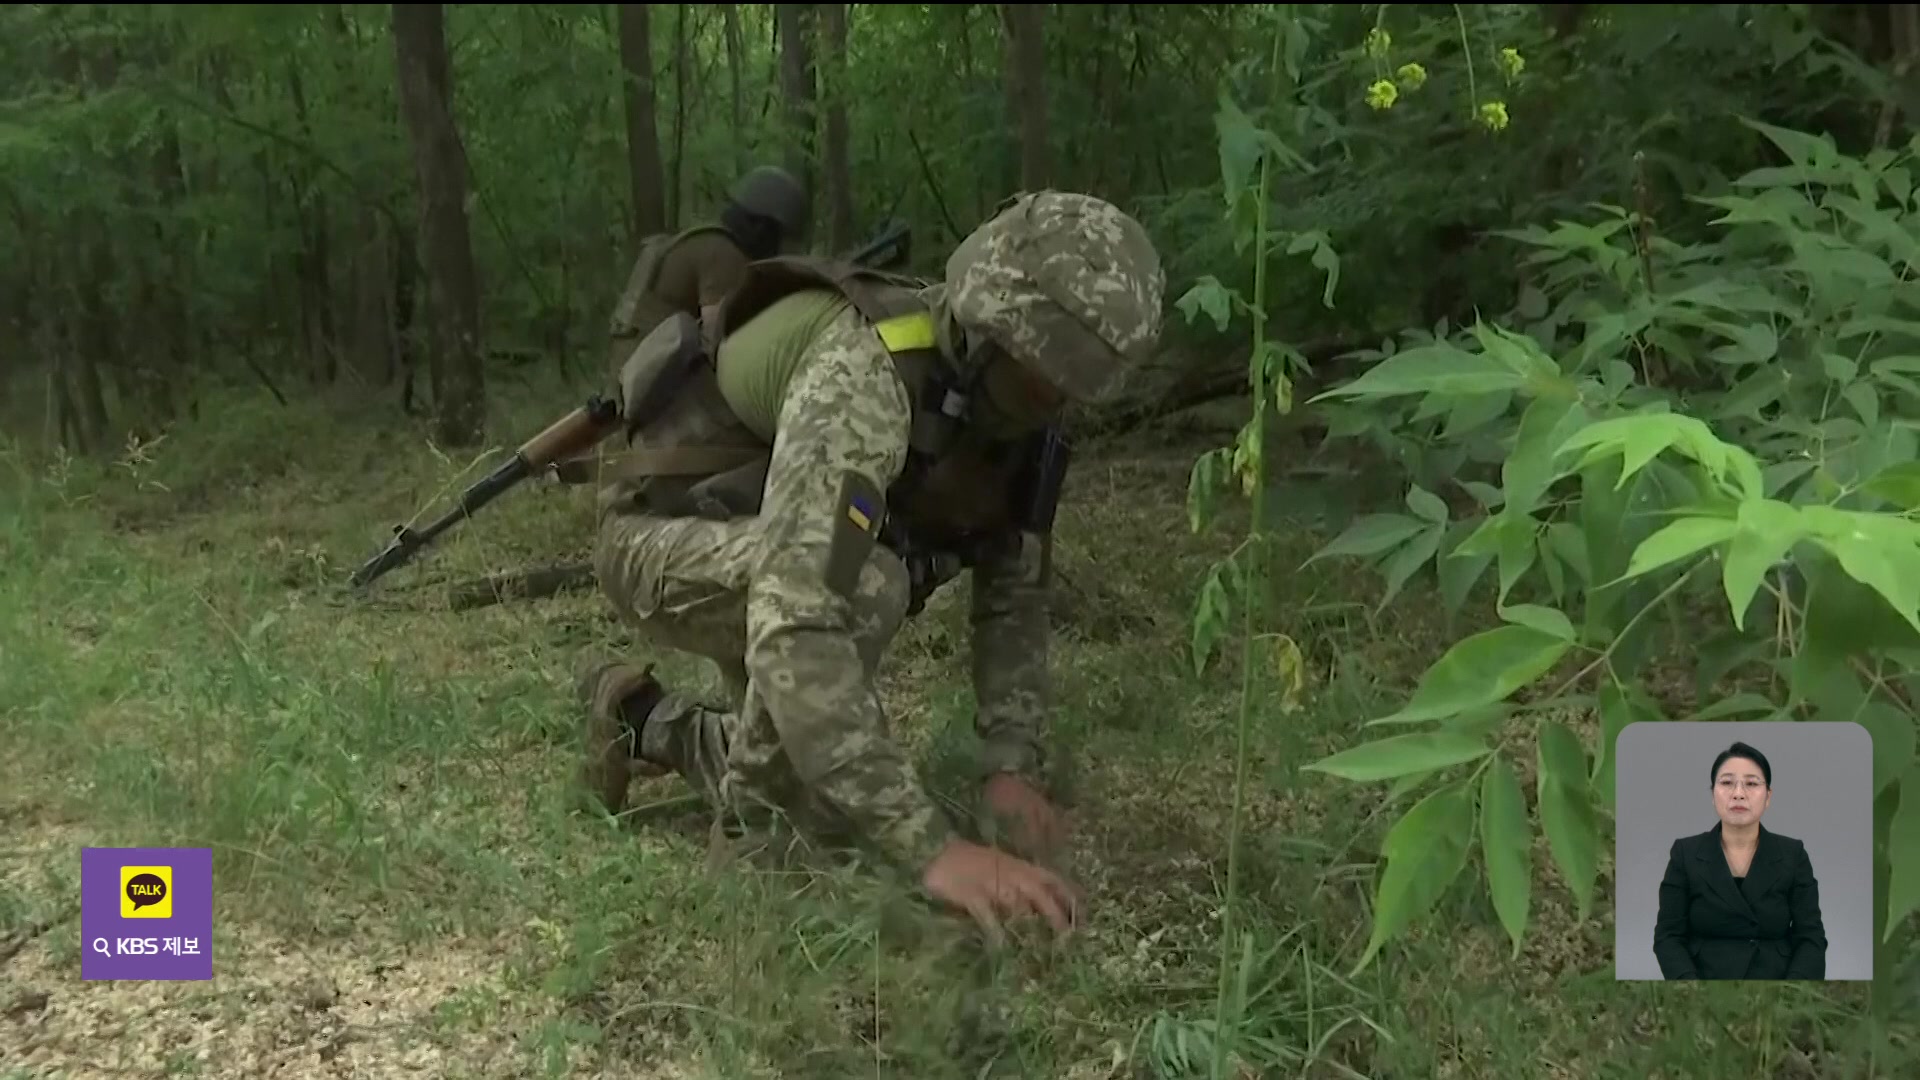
(403, 889)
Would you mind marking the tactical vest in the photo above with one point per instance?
(640, 309)
(958, 494)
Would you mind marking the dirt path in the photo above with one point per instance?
(366, 1008)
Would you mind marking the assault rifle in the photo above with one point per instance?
(565, 440)
(574, 433)
(889, 249)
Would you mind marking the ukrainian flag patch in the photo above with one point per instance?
(860, 511)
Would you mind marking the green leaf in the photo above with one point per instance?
(1324, 260)
(1485, 494)
(1802, 149)
(1371, 535)
(1766, 531)
(1846, 618)
(1408, 560)
(1903, 854)
(1887, 567)
(1865, 401)
(1677, 541)
(1544, 619)
(1570, 545)
(1556, 574)
(1458, 572)
(1618, 708)
(1519, 548)
(1240, 145)
(1210, 471)
(1641, 437)
(1425, 851)
(1638, 439)
(1210, 618)
(1724, 652)
(1736, 705)
(1754, 393)
(1405, 785)
(1529, 470)
(1480, 670)
(1210, 297)
(1898, 484)
(1475, 411)
(1426, 504)
(1506, 840)
(1522, 354)
(1398, 755)
(1893, 741)
(1566, 812)
(1782, 473)
(1438, 368)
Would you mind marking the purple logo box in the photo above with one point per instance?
(146, 913)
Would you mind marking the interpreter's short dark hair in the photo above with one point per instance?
(1742, 750)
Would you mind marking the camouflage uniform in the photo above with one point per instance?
(796, 603)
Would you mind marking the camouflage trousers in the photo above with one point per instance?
(682, 584)
(708, 587)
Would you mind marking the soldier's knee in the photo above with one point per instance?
(626, 576)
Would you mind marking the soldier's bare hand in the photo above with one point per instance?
(1037, 829)
(993, 887)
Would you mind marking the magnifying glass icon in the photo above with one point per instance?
(100, 946)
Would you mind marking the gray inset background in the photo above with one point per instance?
(1822, 797)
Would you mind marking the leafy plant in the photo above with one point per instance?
(1765, 472)
(1250, 156)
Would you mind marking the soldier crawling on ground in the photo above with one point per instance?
(790, 496)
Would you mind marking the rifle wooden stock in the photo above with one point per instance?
(571, 435)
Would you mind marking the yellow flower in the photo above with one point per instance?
(1511, 63)
(1412, 75)
(1494, 115)
(1378, 42)
(1382, 94)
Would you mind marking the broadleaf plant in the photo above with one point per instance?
(1754, 488)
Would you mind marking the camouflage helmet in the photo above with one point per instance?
(773, 193)
(1066, 284)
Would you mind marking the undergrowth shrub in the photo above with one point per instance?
(1732, 418)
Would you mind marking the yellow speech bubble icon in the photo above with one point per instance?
(146, 892)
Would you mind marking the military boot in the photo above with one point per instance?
(617, 698)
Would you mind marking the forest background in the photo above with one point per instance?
(1531, 370)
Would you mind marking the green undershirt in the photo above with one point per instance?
(757, 361)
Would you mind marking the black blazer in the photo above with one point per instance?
(1710, 928)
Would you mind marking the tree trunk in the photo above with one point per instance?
(838, 171)
(682, 82)
(91, 340)
(312, 262)
(453, 301)
(1024, 35)
(643, 132)
(370, 337)
(405, 253)
(166, 346)
(794, 23)
(730, 14)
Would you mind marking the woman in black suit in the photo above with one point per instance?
(1739, 902)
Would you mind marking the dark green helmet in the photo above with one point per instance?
(772, 193)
